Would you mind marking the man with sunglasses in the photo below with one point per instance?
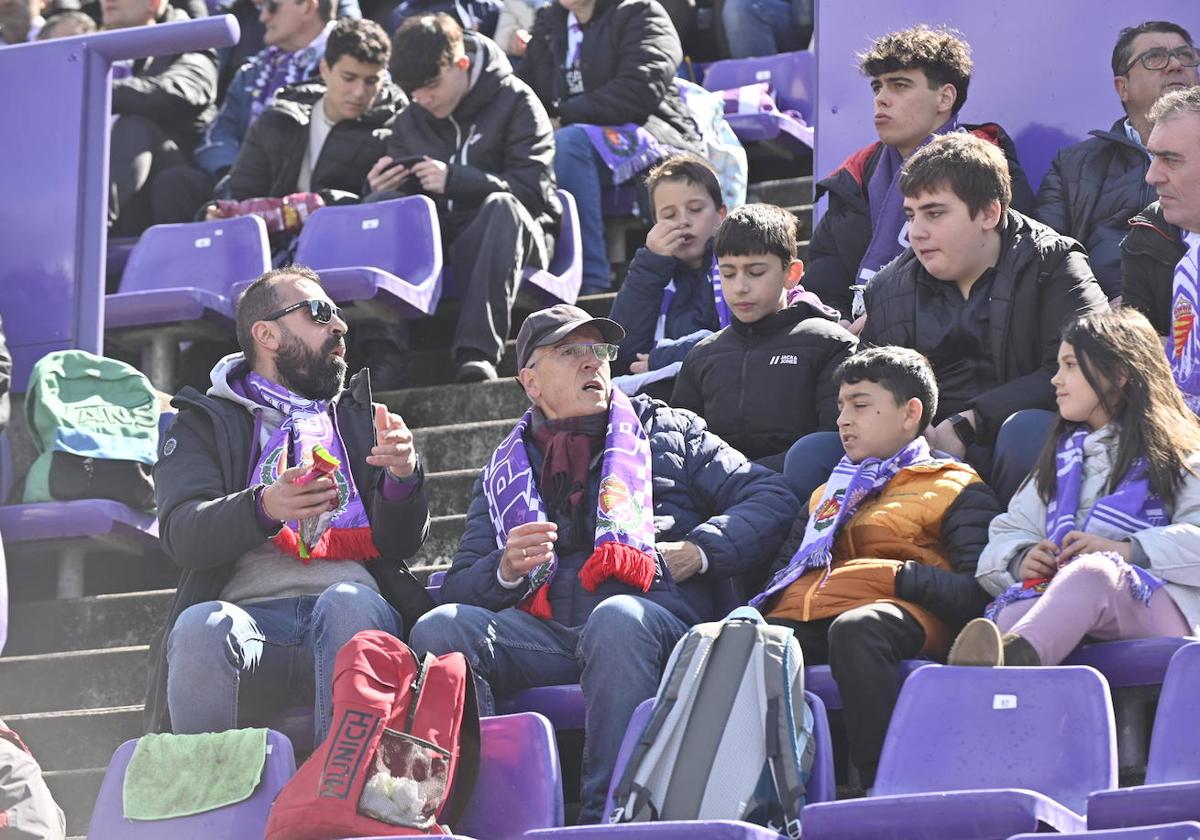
(591, 536)
(291, 502)
(1095, 187)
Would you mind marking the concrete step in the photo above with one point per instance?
(786, 192)
(460, 446)
(439, 547)
(88, 679)
(101, 621)
(450, 492)
(434, 406)
(75, 791)
(77, 738)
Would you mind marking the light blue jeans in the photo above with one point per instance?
(228, 663)
(766, 27)
(617, 657)
(579, 170)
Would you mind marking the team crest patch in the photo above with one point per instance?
(827, 513)
(619, 511)
(620, 141)
(1183, 320)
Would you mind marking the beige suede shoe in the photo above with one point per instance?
(978, 644)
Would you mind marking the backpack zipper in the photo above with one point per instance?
(418, 684)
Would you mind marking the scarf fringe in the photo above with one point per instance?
(624, 562)
(539, 605)
(335, 544)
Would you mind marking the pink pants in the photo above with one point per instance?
(1089, 597)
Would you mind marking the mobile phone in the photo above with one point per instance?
(408, 161)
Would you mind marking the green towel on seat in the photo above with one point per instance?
(179, 775)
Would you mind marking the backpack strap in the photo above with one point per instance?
(782, 733)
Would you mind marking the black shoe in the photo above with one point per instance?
(389, 373)
(476, 370)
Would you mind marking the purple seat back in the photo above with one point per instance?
(245, 820)
(1171, 831)
(791, 75)
(819, 680)
(1129, 663)
(1012, 59)
(560, 281)
(52, 225)
(202, 255)
(399, 236)
(1050, 730)
(1175, 742)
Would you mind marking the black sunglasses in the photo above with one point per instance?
(322, 311)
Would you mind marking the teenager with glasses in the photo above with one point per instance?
(277, 573)
(1095, 187)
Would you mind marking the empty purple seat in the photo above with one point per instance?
(1130, 663)
(562, 704)
(984, 753)
(791, 80)
(378, 260)
(1172, 788)
(1174, 831)
(245, 820)
(519, 787)
(559, 282)
(819, 680)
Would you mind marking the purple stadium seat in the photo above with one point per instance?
(821, 788)
(117, 255)
(984, 753)
(562, 704)
(245, 820)
(1130, 663)
(379, 259)
(519, 787)
(559, 282)
(819, 680)
(1172, 788)
(791, 79)
(1173, 831)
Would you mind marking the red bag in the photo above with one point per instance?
(402, 753)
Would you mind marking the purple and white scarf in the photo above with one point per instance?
(343, 533)
(1183, 344)
(1130, 508)
(889, 229)
(279, 68)
(848, 487)
(625, 503)
(714, 280)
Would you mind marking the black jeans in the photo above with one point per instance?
(138, 150)
(862, 646)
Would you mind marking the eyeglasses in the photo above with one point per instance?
(575, 352)
(322, 311)
(1157, 58)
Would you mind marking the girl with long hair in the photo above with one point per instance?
(1103, 539)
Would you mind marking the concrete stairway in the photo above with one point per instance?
(73, 676)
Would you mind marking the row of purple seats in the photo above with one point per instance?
(519, 764)
(1173, 831)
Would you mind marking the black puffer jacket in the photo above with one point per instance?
(178, 92)
(270, 158)
(1091, 192)
(841, 238)
(1042, 281)
(498, 139)
(1149, 254)
(704, 492)
(762, 386)
(628, 59)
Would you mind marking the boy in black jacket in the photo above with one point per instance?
(767, 378)
(668, 301)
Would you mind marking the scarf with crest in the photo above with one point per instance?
(1183, 344)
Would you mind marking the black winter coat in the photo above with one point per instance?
(200, 487)
(762, 386)
(841, 238)
(1149, 254)
(498, 139)
(269, 161)
(628, 59)
(1042, 282)
(1091, 192)
(178, 92)
(704, 492)
(639, 300)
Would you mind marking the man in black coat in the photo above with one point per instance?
(1095, 187)
(983, 292)
(161, 105)
(478, 143)
(281, 567)
(919, 77)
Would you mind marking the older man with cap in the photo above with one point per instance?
(591, 533)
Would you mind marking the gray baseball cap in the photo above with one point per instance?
(547, 326)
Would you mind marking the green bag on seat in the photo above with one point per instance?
(94, 423)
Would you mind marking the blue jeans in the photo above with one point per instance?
(579, 170)
(226, 662)
(617, 657)
(766, 27)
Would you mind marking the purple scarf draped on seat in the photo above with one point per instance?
(1130, 508)
(624, 543)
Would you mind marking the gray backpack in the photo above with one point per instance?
(730, 736)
